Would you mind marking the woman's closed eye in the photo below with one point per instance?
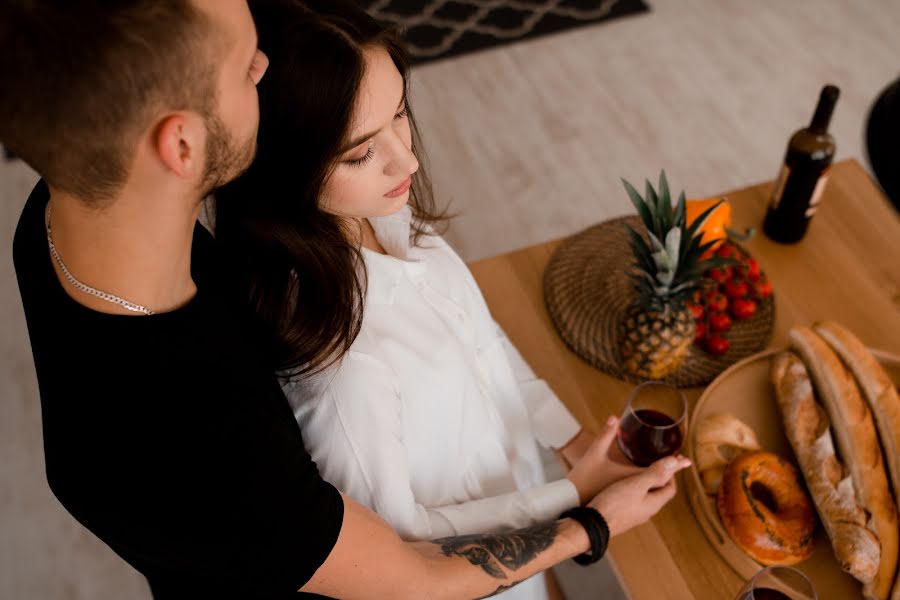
(370, 152)
(369, 155)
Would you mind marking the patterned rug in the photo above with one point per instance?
(437, 29)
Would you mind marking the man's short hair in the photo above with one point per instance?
(81, 81)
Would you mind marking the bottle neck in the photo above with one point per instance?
(824, 109)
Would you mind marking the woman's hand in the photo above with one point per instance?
(601, 464)
(575, 448)
(633, 500)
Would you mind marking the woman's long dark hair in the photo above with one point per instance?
(298, 266)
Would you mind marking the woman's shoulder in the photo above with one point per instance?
(357, 377)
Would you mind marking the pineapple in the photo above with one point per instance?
(658, 328)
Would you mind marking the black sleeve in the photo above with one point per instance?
(211, 489)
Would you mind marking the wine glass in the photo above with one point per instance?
(778, 583)
(654, 424)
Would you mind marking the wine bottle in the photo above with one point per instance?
(798, 189)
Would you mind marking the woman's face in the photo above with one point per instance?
(372, 175)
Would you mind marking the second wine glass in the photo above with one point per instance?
(778, 583)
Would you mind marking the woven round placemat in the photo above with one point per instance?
(587, 290)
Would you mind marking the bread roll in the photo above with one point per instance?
(857, 440)
(856, 548)
(880, 394)
(718, 439)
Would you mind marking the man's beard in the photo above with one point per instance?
(226, 158)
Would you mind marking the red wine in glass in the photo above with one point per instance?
(768, 583)
(654, 424)
(647, 435)
(765, 594)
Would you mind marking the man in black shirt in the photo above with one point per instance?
(164, 432)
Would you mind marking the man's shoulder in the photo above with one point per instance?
(203, 348)
(29, 230)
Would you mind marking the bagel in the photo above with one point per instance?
(765, 510)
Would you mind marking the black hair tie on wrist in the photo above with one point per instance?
(597, 530)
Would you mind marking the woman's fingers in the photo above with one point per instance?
(662, 471)
(606, 437)
(635, 499)
(660, 496)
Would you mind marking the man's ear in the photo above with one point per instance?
(179, 141)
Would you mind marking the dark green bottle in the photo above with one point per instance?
(798, 189)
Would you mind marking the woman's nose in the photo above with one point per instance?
(404, 162)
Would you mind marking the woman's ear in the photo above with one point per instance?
(179, 142)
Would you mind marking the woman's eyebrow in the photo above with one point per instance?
(359, 140)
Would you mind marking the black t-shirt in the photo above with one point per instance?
(169, 438)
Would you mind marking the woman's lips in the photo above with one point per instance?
(400, 190)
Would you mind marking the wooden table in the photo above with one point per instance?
(847, 268)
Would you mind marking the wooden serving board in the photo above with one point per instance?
(744, 390)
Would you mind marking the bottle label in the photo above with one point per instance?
(778, 190)
(817, 194)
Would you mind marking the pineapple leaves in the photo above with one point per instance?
(679, 220)
(700, 220)
(666, 258)
(643, 286)
(693, 251)
(680, 210)
(641, 252)
(656, 242)
(663, 185)
(694, 275)
(665, 201)
(684, 287)
(663, 263)
(718, 261)
(673, 243)
(703, 248)
(655, 208)
(665, 279)
(639, 204)
(667, 264)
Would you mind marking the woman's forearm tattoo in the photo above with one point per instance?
(512, 550)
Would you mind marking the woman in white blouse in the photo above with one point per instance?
(411, 399)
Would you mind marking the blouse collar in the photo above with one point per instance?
(393, 232)
(386, 271)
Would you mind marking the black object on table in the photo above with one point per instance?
(883, 141)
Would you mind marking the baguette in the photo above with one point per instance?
(856, 548)
(880, 394)
(857, 442)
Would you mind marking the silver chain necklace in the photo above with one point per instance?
(86, 288)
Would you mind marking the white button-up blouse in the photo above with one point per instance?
(432, 418)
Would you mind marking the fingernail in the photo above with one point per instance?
(670, 464)
(611, 420)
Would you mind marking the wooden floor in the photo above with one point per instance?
(528, 142)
